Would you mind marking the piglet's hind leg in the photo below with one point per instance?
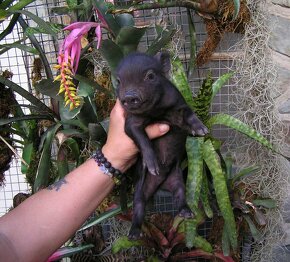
(174, 183)
(143, 191)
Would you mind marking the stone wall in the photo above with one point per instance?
(280, 44)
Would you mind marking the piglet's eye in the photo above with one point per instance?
(150, 75)
(118, 81)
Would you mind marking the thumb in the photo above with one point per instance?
(156, 130)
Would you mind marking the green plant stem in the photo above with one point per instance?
(193, 4)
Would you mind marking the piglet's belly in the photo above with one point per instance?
(170, 148)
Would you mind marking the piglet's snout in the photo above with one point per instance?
(131, 99)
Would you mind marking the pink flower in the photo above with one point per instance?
(71, 46)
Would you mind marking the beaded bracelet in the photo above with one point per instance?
(106, 167)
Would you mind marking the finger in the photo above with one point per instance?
(156, 130)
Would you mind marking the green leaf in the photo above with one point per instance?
(218, 84)
(109, 18)
(256, 234)
(88, 87)
(103, 216)
(225, 242)
(204, 197)
(21, 91)
(41, 23)
(48, 87)
(57, 28)
(66, 113)
(6, 3)
(112, 53)
(24, 48)
(124, 243)
(229, 166)
(10, 27)
(163, 38)
(68, 252)
(267, 203)
(125, 20)
(26, 155)
(5, 121)
(202, 243)
(245, 172)
(220, 186)
(232, 122)
(190, 232)
(179, 79)
(20, 4)
(202, 102)
(129, 38)
(237, 8)
(74, 122)
(195, 170)
(41, 179)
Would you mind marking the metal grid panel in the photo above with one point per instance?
(21, 65)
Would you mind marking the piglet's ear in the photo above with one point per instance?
(164, 59)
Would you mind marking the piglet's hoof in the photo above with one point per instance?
(152, 166)
(200, 130)
(135, 234)
(186, 213)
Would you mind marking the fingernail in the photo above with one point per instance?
(163, 128)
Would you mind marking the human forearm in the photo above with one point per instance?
(46, 220)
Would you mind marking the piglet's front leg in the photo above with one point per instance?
(192, 121)
(135, 129)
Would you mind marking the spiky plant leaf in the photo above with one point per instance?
(195, 170)
(220, 186)
(267, 203)
(123, 243)
(67, 252)
(103, 216)
(256, 234)
(232, 122)
(179, 79)
(41, 23)
(163, 38)
(237, 4)
(204, 197)
(202, 102)
(218, 84)
(190, 232)
(42, 174)
(225, 242)
(202, 243)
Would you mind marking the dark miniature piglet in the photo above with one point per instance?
(147, 97)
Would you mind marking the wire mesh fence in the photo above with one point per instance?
(22, 66)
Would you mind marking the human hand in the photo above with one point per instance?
(120, 149)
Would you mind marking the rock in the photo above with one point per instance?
(285, 107)
(282, 2)
(280, 38)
